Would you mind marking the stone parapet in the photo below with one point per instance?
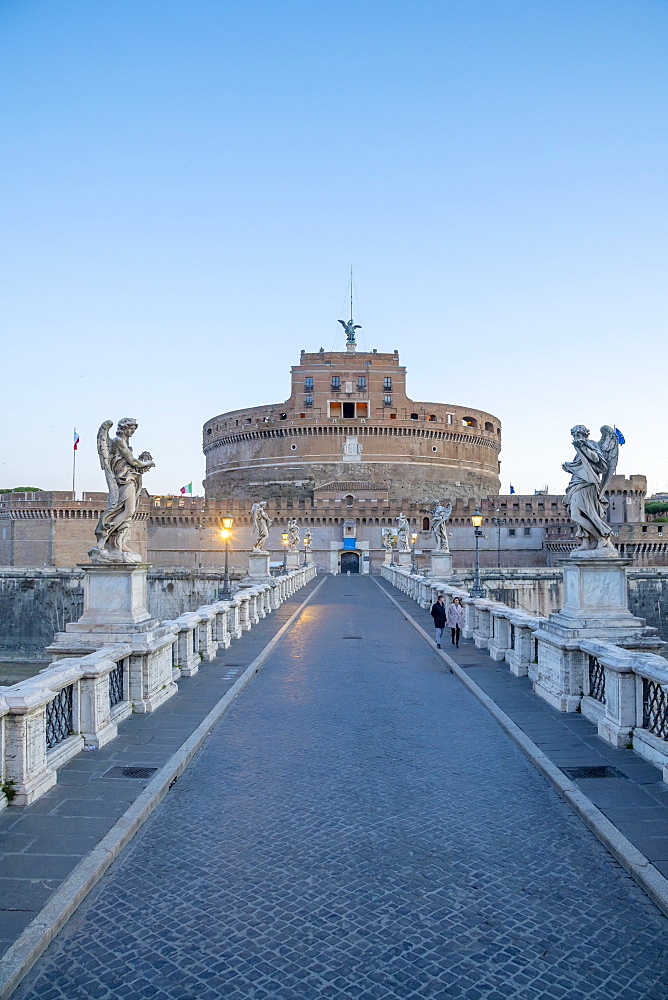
(621, 686)
(78, 701)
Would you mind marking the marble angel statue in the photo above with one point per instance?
(387, 536)
(308, 539)
(440, 513)
(293, 533)
(403, 544)
(261, 523)
(592, 468)
(124, 479)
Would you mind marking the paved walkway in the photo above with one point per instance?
(358, 826)
(634, 797)
(41, 846)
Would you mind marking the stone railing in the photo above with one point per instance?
(624, 691)
(77, 702)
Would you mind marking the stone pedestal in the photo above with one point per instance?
(403, 559)
(293, 559)
(595, 597)
(114, 594)
(115, 612)
(596, 607)
(441, 565)
(258, 566)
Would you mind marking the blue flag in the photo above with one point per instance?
(512, 489)
(620, 436)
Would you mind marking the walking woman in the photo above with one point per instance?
(455, 617)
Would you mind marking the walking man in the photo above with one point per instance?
(438, 614)
(456, 619)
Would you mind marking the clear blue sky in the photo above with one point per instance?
(185, 183)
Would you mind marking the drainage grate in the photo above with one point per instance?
(130, 772)
(603, 771)
(351, 636)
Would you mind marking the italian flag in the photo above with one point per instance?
(76, 439)
(186, 489)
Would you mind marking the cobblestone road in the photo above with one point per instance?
(357, 826)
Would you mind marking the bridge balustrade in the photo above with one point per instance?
(76, 703)
(623, 691)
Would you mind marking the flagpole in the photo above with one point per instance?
(74, 465)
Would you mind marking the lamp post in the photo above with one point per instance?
(498, 521)
(285, 539)
(226, 533)
(414, 535)
(476, 520)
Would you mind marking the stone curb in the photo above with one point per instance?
(40, 932)
(629, 857)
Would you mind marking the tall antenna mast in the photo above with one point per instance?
(351, 293)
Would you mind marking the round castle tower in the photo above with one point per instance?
(348, 418)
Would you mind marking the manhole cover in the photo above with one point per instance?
(604, 771)
(130, 772)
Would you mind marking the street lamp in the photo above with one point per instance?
(414, 535)
(476, 520)
(226, 523)
(498, 521)
(285, 539)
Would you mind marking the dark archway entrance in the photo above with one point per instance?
(350, 562)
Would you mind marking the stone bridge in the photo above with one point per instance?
(333, 807)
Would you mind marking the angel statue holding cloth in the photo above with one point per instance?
(591, 470)
(123, 473)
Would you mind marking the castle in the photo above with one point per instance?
(348, 419)
(344, 455)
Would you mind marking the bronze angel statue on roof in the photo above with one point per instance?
(350, 328)
(123, 473)
(591, 470)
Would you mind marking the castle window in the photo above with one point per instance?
(488, 426)
(349, 500)
(348, 410)
(469, 422)
(425, 524)
(336, 382)
(308, 383)
(432, 416)
(387, 382)
(361, 382)
(208, 430)
(293, 447)
(527, 531)
(414, 416)
(387, 401)
(448, 418)
(308, 401)
(512, 532)
(434, 448)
